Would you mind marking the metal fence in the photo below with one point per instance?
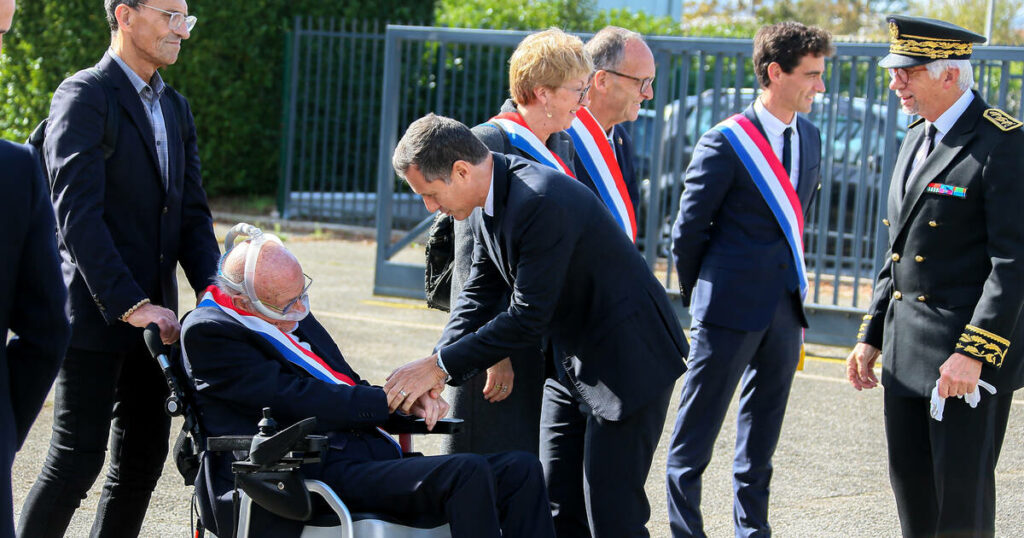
(463, 74)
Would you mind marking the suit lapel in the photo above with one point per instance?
(132, 104)
(491, 226)
(941, 156)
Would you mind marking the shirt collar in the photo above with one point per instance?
(945, 122)
(773, 126)
(156, 84)
(489, 203)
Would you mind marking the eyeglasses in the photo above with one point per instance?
(304, 297)
(582, 91)
(176, 19)
(903, 75)
(645, 83)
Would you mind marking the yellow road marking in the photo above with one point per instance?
(392, 304)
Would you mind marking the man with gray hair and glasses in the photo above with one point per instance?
(947, 305)
(623, 79)
(123, 166)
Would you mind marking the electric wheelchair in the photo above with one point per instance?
(268, 479)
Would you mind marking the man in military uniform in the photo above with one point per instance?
(946, 310)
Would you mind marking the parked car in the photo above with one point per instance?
(853, 142)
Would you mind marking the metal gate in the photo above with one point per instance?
(463, 74)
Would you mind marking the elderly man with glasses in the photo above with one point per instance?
(252, 343)
(947, 306)
(123, 165)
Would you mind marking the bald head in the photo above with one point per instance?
(6, 18)
(278, 276)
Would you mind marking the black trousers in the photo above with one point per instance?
(101, 395)
(492, 496)
(943, 473)
(596, 469)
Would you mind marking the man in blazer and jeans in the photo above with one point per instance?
(738, 249)
(576, 279)
(124, 222)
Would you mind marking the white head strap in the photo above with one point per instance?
(257, 238)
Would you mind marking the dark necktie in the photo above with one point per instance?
(929, 139)
(787, 150)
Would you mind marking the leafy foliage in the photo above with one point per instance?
(231, 70)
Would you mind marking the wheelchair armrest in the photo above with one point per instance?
(398, 424)
(233, 443)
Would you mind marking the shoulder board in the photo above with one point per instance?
(915, 123)
(1002, 120)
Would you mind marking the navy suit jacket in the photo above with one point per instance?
(32, 298)
(121, 234)
(236, 373)
(574, 277)
(622, 143)
(733, 261)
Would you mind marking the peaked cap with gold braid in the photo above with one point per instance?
(917, 40)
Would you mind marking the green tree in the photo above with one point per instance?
(971, 14)
(231, 70)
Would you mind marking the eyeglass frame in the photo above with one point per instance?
(582, 91)
(645, 83)
(304, 296)
(188, 20)
(894, 73)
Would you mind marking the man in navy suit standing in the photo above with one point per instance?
(738, 249)
(124, 222)
(574, 279)
(32, 297)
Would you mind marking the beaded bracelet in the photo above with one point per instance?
(124, 317)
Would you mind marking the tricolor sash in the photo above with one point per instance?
(773, 182)
(523, 139)
(598, 158)
(291, 350)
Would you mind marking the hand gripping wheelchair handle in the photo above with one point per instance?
(159, 351)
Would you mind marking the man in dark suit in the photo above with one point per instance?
(576, 279)
(123, 224)
(32, 297)
(738, 249)
(246, 350)
(946, 309)
(623, 79)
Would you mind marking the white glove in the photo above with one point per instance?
(972, 398)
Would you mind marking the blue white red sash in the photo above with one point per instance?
(772, 180)
(291, 350)
(598, 157)
(523, 139)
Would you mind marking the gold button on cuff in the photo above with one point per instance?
(918, 258)
(933, 224)
(885, 222)
(897, 295)
(922, 298)
(895, 257)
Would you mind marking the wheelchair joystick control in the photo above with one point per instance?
(267, 426)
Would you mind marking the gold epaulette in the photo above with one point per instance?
(983, 345)
(1001, 119)
(863, 330)
(915, 122)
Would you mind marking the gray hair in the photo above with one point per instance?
(111, 6)
(433, 143)
(608, 46)
(965, 81)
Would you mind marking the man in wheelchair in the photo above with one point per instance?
(252, 343)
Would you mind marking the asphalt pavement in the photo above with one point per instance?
(830, 476)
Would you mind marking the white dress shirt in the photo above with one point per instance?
(774, 129)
